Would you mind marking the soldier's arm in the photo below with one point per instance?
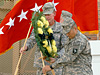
(69, 56)
(31, 41)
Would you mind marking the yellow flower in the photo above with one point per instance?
(46, 24)
(43, 19)
(39, 23)
(40, 31)
(45, 43)
(49, 49)
(50, 30)
(53, 42)
(53, 55)
(54, 48)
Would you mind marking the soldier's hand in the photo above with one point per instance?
(22, 50)
(52, 60)
(46, 69)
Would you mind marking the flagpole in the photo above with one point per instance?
(23, 49)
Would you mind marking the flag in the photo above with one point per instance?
(85, 13)
(16, 23)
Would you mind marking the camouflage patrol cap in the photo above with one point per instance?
(67, 24)
(65, 14)
(48, 8)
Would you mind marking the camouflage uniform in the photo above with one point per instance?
(60, 40)
(77, 57)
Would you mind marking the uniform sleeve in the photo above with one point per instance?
(37, 61)
(70, 55)
(31, 40)
(63, 40)
(30, 43)
(61, 52)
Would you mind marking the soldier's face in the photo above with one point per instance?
(50, 17)
(72, 33)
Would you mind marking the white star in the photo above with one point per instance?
(23, 15)
(11, 22)
(36, 7)
(55, 5)
(1, 30)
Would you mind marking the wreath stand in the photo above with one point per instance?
(44, 64)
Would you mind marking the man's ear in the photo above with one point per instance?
(54, 13)
(75, 28)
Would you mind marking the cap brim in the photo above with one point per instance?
(65, 32)
(48, 12)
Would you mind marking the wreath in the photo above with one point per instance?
(44, 35)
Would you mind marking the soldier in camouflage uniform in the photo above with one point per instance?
(49, 12)
(77, 57)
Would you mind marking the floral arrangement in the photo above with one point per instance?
(44, 35)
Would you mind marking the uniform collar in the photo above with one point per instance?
(53, 27)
